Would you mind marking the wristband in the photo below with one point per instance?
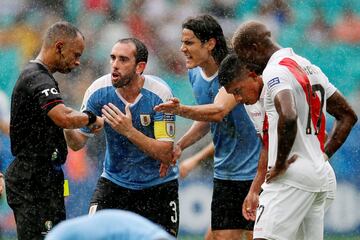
(91, 116)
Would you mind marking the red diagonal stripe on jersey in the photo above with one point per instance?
(314, 101)
(265, 137)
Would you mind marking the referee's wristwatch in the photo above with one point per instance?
(91, 116)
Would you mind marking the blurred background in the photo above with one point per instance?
(326, 32)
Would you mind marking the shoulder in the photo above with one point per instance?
(100, 83)
(157, 86)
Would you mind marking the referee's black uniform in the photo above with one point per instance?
(34, 180)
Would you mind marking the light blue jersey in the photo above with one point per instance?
(237, 146)
(109, 225)
(125, 164)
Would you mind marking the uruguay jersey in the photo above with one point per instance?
(125, 164)
(237, 146)
(310, 88)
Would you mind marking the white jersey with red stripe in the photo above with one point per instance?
(310, 88)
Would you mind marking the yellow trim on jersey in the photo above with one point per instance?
(164, 129)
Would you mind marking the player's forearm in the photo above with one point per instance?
(339, 133)
(74, 139)
(261, 172)
(68, 118)
(197, 131)
(287, 128)
(207, 112)
(159, 150)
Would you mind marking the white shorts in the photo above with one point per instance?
(283, 209)
(329, 199)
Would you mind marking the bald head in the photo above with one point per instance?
(249, 33)
(61, 31)
(252, 43)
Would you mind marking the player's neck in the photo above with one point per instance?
(45, 58)
(131, 91)
(209, 68)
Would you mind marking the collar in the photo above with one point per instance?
(38, 61)
(281, 53)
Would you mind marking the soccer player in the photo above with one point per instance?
(138, 139)
(295, 95)
(237, 146)
(34, 180)
(108, 225)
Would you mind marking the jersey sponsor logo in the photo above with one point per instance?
(170, 128)
(48, 91)
(145, 119)
(273, 82)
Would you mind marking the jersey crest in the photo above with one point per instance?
(145, 119)
(170, 128)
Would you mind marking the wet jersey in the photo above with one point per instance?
(32, 132)
(310, 88)
(125, 164)
(236, 144)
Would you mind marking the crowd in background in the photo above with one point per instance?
(326, 33)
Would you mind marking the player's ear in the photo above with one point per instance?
(211, 43)
(140, 67)
(252, 74)
(59, 46)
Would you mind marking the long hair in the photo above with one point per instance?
(206, 27)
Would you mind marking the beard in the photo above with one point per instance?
(123, 80)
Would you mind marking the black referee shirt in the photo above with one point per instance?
(32, 133)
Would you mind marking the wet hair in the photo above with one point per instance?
(59, 30)
(142, 53)
(206, 27)
(230, 68)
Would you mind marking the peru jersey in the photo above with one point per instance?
(310, 88)
(125, 164)
(236, 144)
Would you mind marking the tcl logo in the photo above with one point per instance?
(52, 91)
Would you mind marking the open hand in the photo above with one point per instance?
(120, 122)
(171, 106)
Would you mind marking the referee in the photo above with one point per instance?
(34, 180)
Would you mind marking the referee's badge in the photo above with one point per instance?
(170, 128)
(145, 119)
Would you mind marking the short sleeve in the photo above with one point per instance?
(46, 92)
(275, 80)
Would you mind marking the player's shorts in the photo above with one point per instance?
(226, 205)
(160, 203)
(283, 209)
(36, 195)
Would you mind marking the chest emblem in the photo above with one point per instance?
(145, 119)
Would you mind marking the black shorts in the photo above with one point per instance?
(36, 195)
(226, 205)
(160, 204)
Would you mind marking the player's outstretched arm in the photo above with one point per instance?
(68, 118)
(214, 112)
(345, 119)
(189, 164)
